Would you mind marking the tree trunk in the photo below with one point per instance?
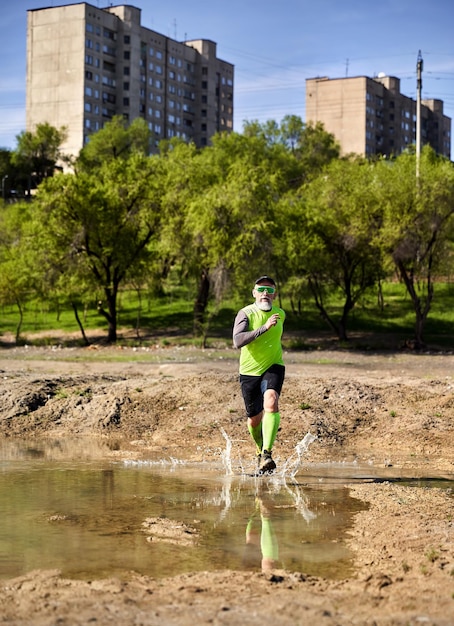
(339, 329)
(201, 303)
(79, 323)
(21, 319)
(110, 314)
(421, 312)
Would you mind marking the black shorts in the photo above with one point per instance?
(253, 387)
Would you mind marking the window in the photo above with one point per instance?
(110, 82)
(126, 102)
(109, 34)
(87, 107)
(126, 86)
(127, 39)
(108, 50)
(158, 54)
(108, 97)
(126, 55)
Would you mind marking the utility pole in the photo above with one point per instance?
(419, 67)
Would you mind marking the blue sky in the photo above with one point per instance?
(274, 46)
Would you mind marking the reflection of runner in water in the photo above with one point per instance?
(260, 534)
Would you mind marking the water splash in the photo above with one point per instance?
(289, 468)
(293, 463)
(226, 455)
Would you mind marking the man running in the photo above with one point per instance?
(257, 331)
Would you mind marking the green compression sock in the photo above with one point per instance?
(270, 426)
(256, 434)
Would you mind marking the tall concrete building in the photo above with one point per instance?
(86, 65)
(370, 116)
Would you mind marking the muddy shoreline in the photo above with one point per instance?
(392, 410)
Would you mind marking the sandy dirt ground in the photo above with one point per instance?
(390, 410)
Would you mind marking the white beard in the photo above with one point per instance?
(265, 306)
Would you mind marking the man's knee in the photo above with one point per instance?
(271, 401)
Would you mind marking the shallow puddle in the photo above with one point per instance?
(65, 507)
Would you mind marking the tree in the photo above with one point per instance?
(38, 153)
(332, 236)
(117, 140)
(419, 218)
(223, 227)
(101, 222)
(18, 271)
(311, 144)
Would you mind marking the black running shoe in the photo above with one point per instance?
(268, 465)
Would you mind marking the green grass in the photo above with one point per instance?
(169, 319)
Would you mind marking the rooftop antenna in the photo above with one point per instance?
(175, 29)
(346, 67)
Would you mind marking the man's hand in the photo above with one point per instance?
(272, 321)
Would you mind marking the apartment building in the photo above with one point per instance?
(369, 116)
(86, 65)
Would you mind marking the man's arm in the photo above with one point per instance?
(241, 335)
